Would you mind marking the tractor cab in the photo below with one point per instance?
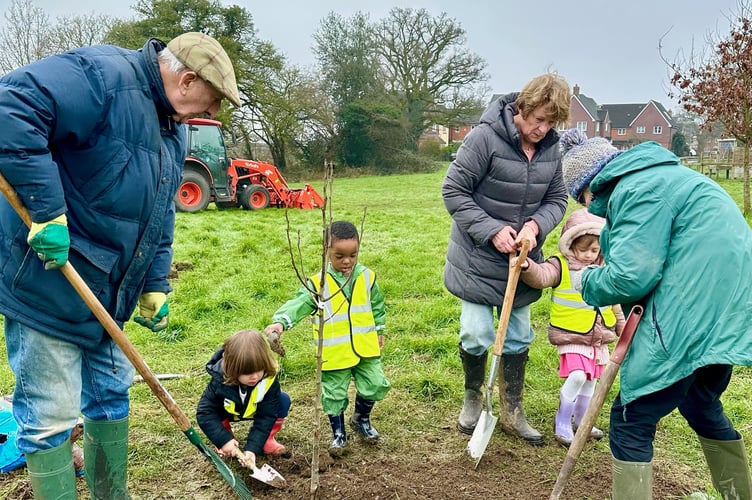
(206, 145)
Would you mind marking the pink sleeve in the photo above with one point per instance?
(545, 275)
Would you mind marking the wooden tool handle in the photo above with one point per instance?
(506, 306)
(104, 318)
(596, 402)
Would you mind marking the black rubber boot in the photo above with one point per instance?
(361, 419)
(337, 448)
(511, 415)
(475, 373)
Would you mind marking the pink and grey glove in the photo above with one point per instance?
(153, 311)
(51, 241)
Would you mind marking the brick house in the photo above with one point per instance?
(458, 132)
(437, 133)
(624, 124)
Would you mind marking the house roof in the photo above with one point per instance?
(622, 115)
(589, 104)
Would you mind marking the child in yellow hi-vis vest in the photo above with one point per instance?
(243, 386)
(353, 334)
(581, 332)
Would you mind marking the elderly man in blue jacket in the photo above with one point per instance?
(94, 146)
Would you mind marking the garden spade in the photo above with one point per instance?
(487, 421)
(266, 473)
(596, 403)
(119, 337)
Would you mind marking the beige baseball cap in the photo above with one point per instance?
(203, 54)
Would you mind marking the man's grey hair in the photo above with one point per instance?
(168, 58)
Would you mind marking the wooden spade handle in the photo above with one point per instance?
(596, 403)
(506, 306)
(104, 318)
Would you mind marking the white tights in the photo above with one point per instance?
(577, 384)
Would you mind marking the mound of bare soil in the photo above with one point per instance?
(435, 467)
(509, 469)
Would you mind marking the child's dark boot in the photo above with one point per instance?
(337, 447)
(361, 419)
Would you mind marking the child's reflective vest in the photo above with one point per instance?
(569, 310)
(349, 327)
(257, 395)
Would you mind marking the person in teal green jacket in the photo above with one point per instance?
(676, 243)
(354, 319)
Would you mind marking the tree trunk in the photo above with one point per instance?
(745, 180)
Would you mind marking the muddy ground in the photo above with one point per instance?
(436, 467)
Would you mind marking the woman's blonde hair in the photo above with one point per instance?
(246, 352)
(550, 91)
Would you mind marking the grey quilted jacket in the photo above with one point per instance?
(491, 184)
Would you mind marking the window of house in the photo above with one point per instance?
(582, 126)
(606, 129)
(640, 130)
(621, 131)
(657, 130)
(597, 126)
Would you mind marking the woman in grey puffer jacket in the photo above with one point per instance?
(505, 186)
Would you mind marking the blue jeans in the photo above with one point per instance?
(477, 331)
(56, 380)
(698, 398)
(284, 404)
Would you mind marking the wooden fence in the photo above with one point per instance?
(728, 164)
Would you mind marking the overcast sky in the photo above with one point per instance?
(609, 49)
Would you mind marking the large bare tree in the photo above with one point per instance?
(428, 67)
(29, 35)
(25, 36)
(70, 32)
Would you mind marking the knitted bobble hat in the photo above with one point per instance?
(582, 159)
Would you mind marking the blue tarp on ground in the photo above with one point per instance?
(10, 457)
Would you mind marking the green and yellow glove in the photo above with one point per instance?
(153, 312)
(51, 241)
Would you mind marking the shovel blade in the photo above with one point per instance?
(269, 475)
(481, 436)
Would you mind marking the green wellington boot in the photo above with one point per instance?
(52, 474)
(729, 468)
(631, 480)
(106, 458)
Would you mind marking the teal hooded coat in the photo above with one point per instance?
(677, 243)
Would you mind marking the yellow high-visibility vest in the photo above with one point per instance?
(569, 310)
(349, 327)
(257, 395)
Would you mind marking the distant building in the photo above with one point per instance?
(625, 125)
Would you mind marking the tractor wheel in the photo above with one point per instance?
(254, 197)
(193, 193)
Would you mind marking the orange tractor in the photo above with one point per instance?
(210, 175)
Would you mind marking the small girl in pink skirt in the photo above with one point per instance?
(581, 332)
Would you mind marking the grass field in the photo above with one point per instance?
(234, 270)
